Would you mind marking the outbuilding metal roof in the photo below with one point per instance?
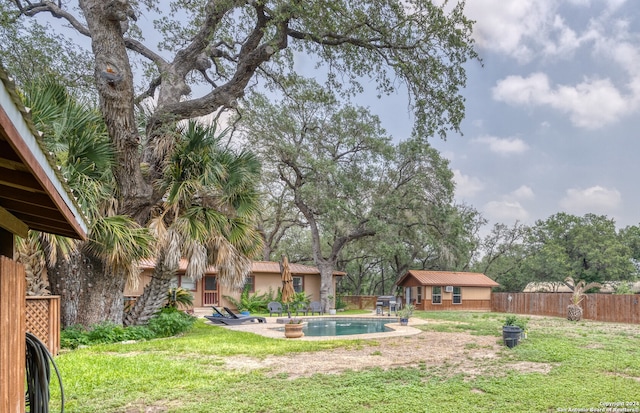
(444, 278)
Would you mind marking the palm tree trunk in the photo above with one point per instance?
(153, 297)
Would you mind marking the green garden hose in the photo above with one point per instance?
(38, 375)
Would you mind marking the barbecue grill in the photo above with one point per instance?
(388, 301)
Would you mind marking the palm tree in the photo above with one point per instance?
(574, 310)
(207, 217)
(75, 135)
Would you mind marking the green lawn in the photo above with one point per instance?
(592, 364)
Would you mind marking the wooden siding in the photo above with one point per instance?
(368, 302)
(599, 307)
(12, 336)
(466, 305)
(43, 320)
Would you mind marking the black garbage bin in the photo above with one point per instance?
(511, 335)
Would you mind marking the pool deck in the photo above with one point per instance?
(270, 328)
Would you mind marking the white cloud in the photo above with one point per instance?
(504, 211)
(522, 29)
(596, 199)
(503, 146)
(591, 104)
(501, 26)
(524, 192)
(466, 186)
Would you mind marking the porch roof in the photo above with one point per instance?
(33, 193)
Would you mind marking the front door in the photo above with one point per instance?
(210, 293)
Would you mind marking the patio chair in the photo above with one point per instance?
(301, 308)
(244, 317)
(316, 307)
(274, 307)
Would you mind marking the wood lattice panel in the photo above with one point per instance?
(43, 320)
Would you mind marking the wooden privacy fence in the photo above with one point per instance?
(360, 302)
(43, 320)
(600, 307)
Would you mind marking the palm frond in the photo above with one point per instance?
(120, 243)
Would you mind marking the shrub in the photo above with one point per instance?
(510, 320)
(179, 298)
(170, 321)
(340, 304)
(105, 333)
(73, 336)
(254, 303)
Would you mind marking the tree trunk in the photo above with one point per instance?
(88, 292)
(574, 312)
(114, 81)
(153, 297)
(326, 284)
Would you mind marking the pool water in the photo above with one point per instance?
(321, 327)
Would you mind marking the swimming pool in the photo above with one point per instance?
(323, 327)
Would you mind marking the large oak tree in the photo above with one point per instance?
(200, 57)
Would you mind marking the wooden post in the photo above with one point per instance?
(12, 336)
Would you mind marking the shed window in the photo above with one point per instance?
(436, 295)
(298, 284)
(419, 295)
(457, 295)
(250, 284)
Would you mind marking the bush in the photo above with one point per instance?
(167, 323)
(254, 303)
(179, 298)
(513, 320)
(170, 321)
(73, 336)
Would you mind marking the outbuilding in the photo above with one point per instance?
(447, 290)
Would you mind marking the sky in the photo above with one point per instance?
(552, 113)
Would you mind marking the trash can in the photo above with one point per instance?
(511, 335)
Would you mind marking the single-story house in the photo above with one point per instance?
(447, 290)
(33, 195)
(264, 277)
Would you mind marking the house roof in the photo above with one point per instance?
(33, 194)
(444, 278)
(262, 267)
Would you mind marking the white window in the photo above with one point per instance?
(419, 295)
(187, 283)
(436, 295)
(457, 295)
